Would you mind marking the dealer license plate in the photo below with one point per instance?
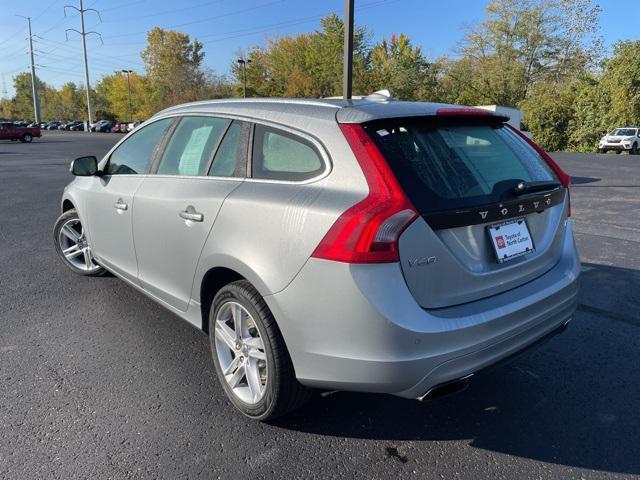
(511, 239)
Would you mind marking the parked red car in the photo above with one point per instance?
(9, 131)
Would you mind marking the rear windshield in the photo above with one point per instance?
(457, 165)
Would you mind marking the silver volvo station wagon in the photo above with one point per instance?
(369, 245)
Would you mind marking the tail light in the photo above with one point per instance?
(563, 176)
(368, 232)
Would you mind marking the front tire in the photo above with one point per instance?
(634, 149)
(250, 356)
(70, 240)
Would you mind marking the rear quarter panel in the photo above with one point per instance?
(267, 230)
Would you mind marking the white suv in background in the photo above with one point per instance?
(619, 140)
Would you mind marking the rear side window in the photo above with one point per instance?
(444, 167)
(231, 157)
(191, 146)
(134, 154)
(280, 155)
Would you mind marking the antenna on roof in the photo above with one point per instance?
(348, 50)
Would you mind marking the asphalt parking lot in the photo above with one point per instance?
(97, 381)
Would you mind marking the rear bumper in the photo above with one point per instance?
(357, 327)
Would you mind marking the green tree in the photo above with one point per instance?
(173, 64)
(548, 112)
(22, 102)
(523, 42)
(621, 82)
(304, 65)
(591, 115)
(71, 101)
(402, 68)
(113, 96)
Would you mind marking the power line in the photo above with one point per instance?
(237, 12)
(66, 48)
(12, 37)
(125, 4)
(244, 32)
(42, 12)
(158, 14)
(64, 19)
(104, 62)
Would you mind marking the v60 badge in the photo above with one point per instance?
(421, 262)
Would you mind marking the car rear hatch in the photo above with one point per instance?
(481, 189)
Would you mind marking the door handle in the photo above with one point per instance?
(120, 205)
(190, 214)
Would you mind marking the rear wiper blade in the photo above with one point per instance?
(522, 188)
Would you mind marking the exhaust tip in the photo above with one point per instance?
(447, 388)
(565, 325)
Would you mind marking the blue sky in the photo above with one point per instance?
(225, 27)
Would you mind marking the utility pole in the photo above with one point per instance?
(347, 73)
(128, 72)
(244, 62)
(34, 80)
(84, 34)
(4, 88)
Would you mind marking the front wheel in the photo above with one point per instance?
(634, 149)
(26, 138)
(70, 240)
(250, 355)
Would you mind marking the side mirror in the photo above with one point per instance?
(84, 166)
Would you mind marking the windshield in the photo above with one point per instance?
(444, 167)
(624, 132)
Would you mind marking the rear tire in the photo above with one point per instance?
(26, 138)
(279, 392)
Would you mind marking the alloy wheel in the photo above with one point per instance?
(241, 352)
(74, 246)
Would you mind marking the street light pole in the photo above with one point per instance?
(347, 74)
(244, 62)
(128, 72)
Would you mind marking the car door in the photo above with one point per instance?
(109, 204)
(203, 162)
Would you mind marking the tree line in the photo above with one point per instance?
(545, 57)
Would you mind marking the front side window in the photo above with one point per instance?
(279, 155)
(135, 153)
(443, 167)
(191, 146)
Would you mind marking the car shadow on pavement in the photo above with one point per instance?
(583, 180)
(574, 401)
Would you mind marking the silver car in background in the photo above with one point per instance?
(370, 245)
